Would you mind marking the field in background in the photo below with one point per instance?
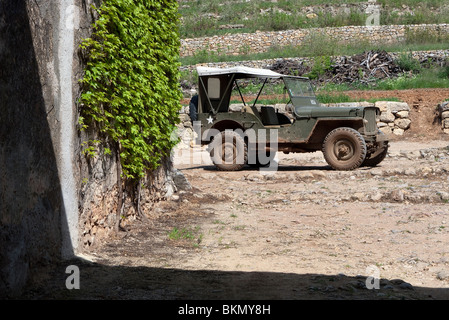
(213, 17)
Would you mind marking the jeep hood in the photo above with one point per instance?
(328, 112)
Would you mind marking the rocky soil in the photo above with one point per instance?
(302, 231)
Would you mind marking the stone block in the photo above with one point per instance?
(392, 106)
(386, 130)
(402, 114)
(446, 123)
(387, 117)
(443, 107)
(403, 124)
(235, 107)
(398, 131)
(396, 107)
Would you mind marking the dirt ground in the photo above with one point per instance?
(302, 231)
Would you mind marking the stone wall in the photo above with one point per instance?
(267, 63)
(245, 43)
(443, 109)
(394, 117)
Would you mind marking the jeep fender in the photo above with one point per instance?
(324, 126)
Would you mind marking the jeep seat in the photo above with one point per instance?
(269, 116)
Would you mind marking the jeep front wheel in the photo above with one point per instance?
(344, 149)
(377, 156)
(228, 151)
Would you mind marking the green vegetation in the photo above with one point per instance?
(322, 65)
(131, 82)
(326, 97)
(191, 234)
(205, 17)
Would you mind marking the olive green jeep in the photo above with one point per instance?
(347, 136)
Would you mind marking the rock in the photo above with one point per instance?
(443, 107)
(445, 123)
(376, 172)
(254, 177)
(236, 107)
(403, 124)
(406, 285)
(397, 195)
(426, 171)
(387, 117)
(398, 131)
(444, 196)
(392, 106)
(410, 172)
(181, 181)
(358, 196)
(403, 114)
(304, 175)
(319, 175)
(443, 275)
(386, 130)
(376, 197)
(396, 107)
(184, 117)
(413, 155)
(382, 105)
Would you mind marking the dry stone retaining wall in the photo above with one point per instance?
(444, 115)
(237, 44)
(268, 63)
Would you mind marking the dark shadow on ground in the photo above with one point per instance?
(279, 168)
(98, 281)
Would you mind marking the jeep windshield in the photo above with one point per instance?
(299, 87)
(301, 92)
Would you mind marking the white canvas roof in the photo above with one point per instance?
(250, 72)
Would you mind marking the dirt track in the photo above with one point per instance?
(302, 232)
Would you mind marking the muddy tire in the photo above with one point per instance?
(344, 149)
(377, 157)
(228, 151)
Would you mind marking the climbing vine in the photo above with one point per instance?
(131, 80)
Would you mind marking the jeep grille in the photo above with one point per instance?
(370, 123)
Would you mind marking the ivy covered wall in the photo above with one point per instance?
(131, 82)
(128, 111)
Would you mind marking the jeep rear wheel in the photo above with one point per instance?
(228, 151)
(344, 149)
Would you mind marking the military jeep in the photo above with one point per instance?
(347, 136)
